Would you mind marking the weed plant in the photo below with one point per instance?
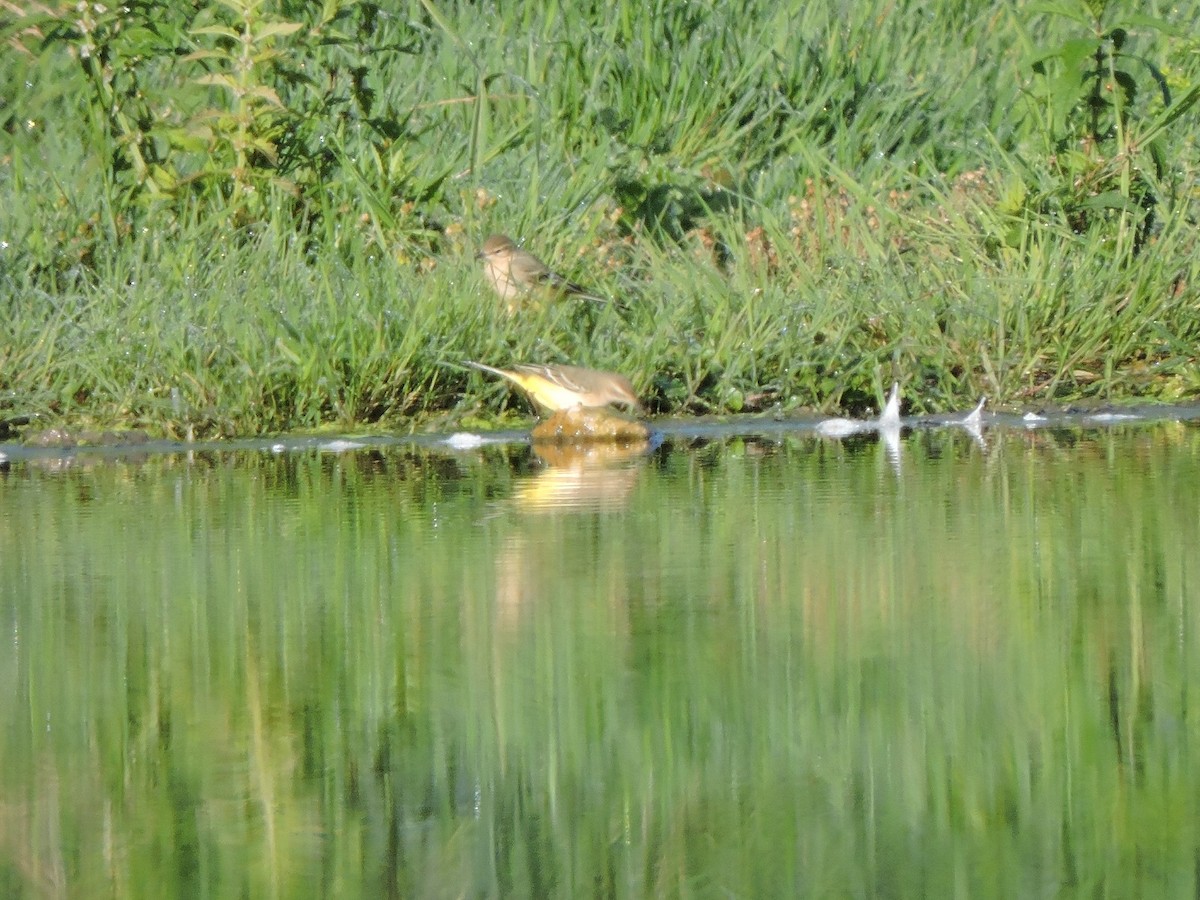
(240, 216)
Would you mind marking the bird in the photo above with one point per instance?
(557, 387)
(514, 273)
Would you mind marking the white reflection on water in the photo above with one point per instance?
(464, 440)
(888, 425)
(888, 420)
(340, 446)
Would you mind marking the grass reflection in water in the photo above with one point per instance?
(743, 668)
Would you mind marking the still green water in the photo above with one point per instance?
(735, 667)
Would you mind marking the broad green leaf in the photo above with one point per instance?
(1071, 53)
(197, 131)
(138, 40)
(1064, 95)
(188, 139)
(264, 54)
(263, 92)
(276, 29)
(205, 54)
(218, 31)
(242, 7)
(1073, 11)
(1109, 200)
(218, 79)
(1076, 50)
(1135, 21)
(164, 179)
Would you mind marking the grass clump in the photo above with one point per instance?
(245, 216)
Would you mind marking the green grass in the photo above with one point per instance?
(794, 208)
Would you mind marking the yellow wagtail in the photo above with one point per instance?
(514, 273)
(555, 387)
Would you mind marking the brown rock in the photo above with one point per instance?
(584, 424)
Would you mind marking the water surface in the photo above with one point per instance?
(731, 665)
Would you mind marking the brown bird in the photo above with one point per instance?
(556, 387)
(514, 273)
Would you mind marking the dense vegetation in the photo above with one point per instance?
(239, 216)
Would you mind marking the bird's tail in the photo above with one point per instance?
(484, 367)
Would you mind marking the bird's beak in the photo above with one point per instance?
(479, 254)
